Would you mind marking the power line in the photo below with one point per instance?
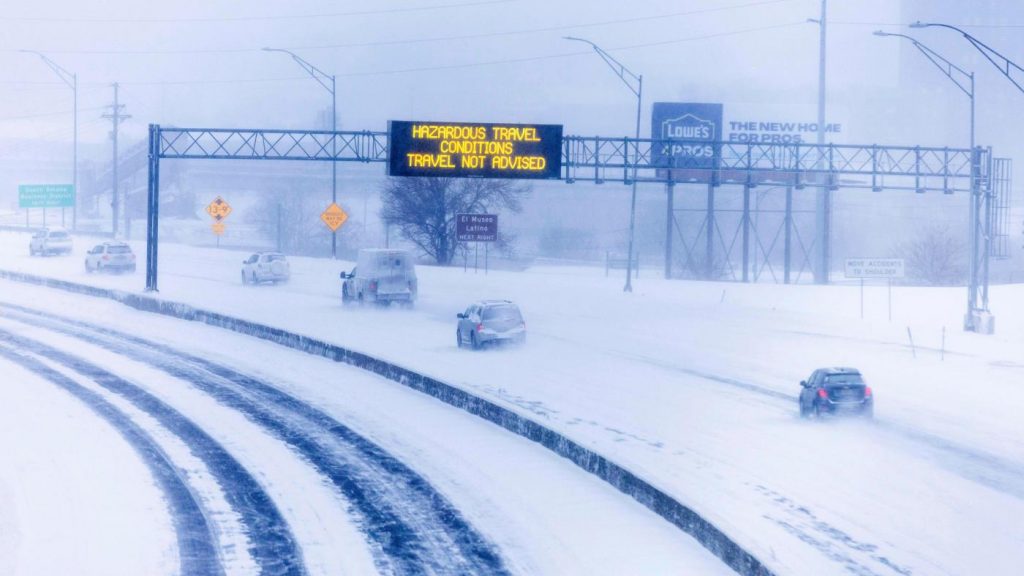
(248, 18)
(478, 63)
(48, 114)
(405, 41)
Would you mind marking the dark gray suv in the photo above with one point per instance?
(836, 391)
(490, 321)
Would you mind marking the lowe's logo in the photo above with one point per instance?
(687, 127)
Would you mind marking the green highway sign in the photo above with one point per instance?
(46, 196)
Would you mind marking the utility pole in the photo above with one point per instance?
(117, 116)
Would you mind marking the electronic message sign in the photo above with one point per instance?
(467, 150)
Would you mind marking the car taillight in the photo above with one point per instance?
(822, 393)
(106, 257)
(867, 391)
(479, 327)
(373, 286)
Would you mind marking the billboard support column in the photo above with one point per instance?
(787, 263)
(746, 232)
(709, 234)
(670, 191)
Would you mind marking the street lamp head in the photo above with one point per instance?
(880, 33)
(814, 21)
(919, 24)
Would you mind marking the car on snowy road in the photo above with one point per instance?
(490, 321)
(833, 391)
(381, 276)
(110, 256)
(265, 267)
(50, 241)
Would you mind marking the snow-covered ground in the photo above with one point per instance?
(689, 384)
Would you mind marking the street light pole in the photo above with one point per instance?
(71, 80)
(824, 201)
(963, 80)
(626, 76)
(322, 77)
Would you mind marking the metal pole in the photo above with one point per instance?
(74, 171)
(114, 199)
(824, 204)
(670, 191)
(788, 248)
(746, 232)
(632, 202)
(280, 245)
(153, 211)
(709, 233)
(334, 163)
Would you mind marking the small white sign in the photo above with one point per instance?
(874, 267)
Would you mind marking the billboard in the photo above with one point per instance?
(468, 150)
(690, 133)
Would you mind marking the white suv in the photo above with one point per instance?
(115, 256)
(50, 241)
(265, 267)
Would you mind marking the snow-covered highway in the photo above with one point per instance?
(689, 385)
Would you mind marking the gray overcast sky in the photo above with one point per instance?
(199, 63)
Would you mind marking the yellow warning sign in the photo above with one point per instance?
(218, 209)
(218, 228)
(334, 217)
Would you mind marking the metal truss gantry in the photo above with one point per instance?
(600, 159)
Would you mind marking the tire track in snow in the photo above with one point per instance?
(197, 551)
(272, 545)
(416, 529)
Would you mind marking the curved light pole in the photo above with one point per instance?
(322, 77)
(1002, 63)
(71, 80)
(958, 76)
(626, 76)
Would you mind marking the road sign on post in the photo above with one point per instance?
(46, 196)
(885, 268)
(874, 268)
(218, 209)
(334, 217)
(476, 227)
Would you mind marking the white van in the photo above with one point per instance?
(381, 276)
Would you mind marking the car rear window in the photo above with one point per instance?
(501, 313)
(118, 250)
(58, 235)
(844, 379)
(274, 257)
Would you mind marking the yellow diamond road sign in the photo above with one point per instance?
(218, 209)
(334, 217)
(218, 228)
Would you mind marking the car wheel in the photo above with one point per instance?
(458, 338)
(818, 412)
(804, 412)
(473, 341)
(88, 269)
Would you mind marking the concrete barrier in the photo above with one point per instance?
(655, 499)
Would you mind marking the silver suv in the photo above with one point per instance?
(265, 267)
(490, 321)
(114, 256)
(50, 241)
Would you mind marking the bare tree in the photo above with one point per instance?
(424, 209)
(936, 256)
